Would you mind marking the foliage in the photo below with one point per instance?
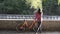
(15, 7)
(35, 3)
(50, 7)
(58, 2)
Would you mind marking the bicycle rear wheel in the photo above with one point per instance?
(19, 29)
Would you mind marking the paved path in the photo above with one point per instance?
(14, 32)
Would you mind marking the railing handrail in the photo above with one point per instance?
(44, 17)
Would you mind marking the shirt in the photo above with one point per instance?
(38, 16)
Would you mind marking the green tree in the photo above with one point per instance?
(35, 4)
(50, 7)
(15, 7)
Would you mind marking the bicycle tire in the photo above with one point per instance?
(18, 29)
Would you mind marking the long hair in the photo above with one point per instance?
(39, 11)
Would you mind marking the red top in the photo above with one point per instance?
(38, 16)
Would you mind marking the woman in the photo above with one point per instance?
(37, 18)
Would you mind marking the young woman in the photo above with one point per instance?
(38, 17)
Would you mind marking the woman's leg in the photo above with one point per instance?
(39, 22)
(38, 28)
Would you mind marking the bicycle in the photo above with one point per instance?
(32, 26)
(19, 25)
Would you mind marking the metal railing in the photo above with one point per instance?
(26, 17)
(51, 18)
(16, 17)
